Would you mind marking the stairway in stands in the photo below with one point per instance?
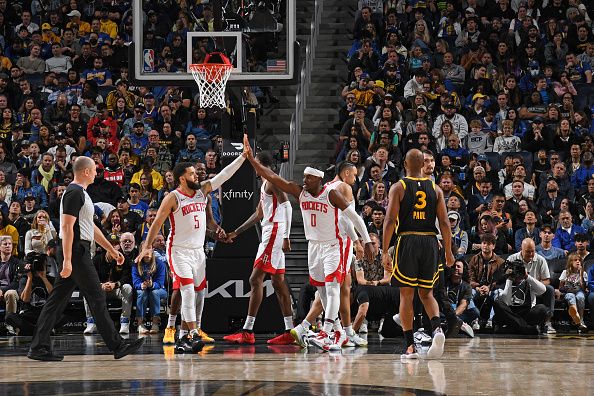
(318, 137)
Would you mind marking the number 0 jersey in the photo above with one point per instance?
(418, 208)
(188, 222)
(320, 218)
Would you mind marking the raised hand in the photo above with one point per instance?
(247, 149)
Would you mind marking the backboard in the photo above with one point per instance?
(258, 36)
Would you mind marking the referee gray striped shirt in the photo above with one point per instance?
(76, 202)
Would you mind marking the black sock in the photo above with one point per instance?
(435, 323)
(409, 338)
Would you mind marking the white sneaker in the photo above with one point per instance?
(124, 328)
(321, 340)
(397, 319)
(489, 324)
(363, 328)
(466, 328)
(421, 338)
(340, 338)
(436, 349)
(549, 329)
(299, 334)
(141, 330)
(357, 340)
(91, 327)
(476, 326)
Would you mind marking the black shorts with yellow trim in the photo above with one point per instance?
(416, 260)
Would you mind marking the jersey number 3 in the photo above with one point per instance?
(421, 197)
(196, 221)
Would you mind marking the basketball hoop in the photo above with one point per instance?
(212, 79)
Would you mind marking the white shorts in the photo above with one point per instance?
(188, 266)
(327, 261)
(270, 257)
(348, 254)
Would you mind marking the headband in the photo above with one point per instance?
(313, 172)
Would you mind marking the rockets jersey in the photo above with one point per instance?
(343, 221)
(320, 218)
(188, 222)
(271, 212)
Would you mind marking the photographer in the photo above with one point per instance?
(537, 267)
(34, 289)
(516, 305)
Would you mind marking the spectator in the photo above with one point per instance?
(103, 190)
(537, 268)
(115, 282)
(7, 229)
(147, 168)
(379, 195)
(7, 167)
(530, 231)
(41, 233)
(460, 296)
(582, 243)
(148, 277)
(371, 273)
(23, 189)
(378, 213)
(459, 236)
(9, 279)
(508, 143)
(483, 272)
(572, 286)
(459, 123)
(565, 233)
(131, 219)
(549, 203)
(584, 173)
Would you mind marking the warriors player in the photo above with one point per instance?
(213, 231)
(275, 212)
(186, 209)
(414, 204)
(319, 207)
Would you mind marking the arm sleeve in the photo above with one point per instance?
(226, 173)
(358, 223)
(288, 218)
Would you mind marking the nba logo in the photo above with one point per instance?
(148, 61)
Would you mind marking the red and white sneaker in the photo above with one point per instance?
(321, 340)
(340, 338)
(284, 339)
(241, 337)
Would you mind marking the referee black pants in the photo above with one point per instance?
(84, 275)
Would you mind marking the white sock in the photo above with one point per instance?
(305, 324)
(182, 333)
(171, 321)
(288, 322)
(249, 323)
(328, 325)
(349, 330)
(199, 306)
(337, 325)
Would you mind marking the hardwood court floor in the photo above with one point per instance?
(562, 365)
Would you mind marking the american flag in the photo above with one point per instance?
(276, 65)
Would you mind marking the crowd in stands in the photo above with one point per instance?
(500, 94)
(65, 92)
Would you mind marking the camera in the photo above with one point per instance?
(517, 266)
(37, 261)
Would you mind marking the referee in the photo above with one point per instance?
(77, 232)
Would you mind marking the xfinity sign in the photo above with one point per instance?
(238, 194)
(235, 289)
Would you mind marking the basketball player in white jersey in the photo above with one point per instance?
(346, 173)
(186, 209)
(275, 212)
(319, 208)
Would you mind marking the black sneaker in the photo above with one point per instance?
(189, 344)
(45, 355)
(454, 327)
(197, 343)
(128, 347)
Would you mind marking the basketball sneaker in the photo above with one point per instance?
(357, 340)
(241, 337)
(205, 338)
(169, 337)
(189, 344)
(436, 349)
(322, 340)
(91, 327)
(340, 339)
(285, 338)
(409, 353)
(299, 334)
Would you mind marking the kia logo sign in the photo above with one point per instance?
(231, 150)
(235, 289)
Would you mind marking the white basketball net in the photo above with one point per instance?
(211, 79)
